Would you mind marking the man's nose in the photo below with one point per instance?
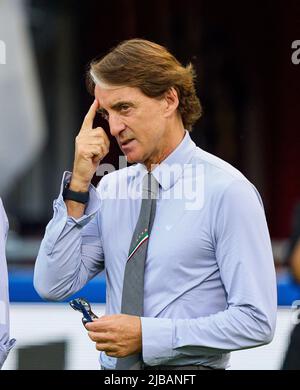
(116, 125)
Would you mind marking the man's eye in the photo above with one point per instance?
(125, 107)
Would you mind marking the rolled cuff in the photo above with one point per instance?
(157, 340)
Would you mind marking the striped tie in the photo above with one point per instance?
(133, 285)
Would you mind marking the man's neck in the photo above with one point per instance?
(170, 146)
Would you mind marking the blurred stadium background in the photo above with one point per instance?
(249, 89)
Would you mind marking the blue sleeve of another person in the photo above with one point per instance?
(5, 343)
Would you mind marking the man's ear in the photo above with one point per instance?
(172, 101)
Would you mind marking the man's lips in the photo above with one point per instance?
(127, 145)
(126, 142)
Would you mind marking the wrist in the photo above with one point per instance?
(77, 196)
(79, 185)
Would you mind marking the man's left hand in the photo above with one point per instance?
(118, 335)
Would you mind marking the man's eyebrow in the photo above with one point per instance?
(115, 106)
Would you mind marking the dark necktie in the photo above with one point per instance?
(133, 284)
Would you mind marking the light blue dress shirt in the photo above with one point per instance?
(210, 283)
(5, 343)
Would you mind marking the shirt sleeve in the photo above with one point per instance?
(244, 256)
(5, 343)
(71, 251)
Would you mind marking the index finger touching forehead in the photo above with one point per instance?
(89, 118)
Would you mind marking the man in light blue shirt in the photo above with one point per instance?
(209, 283)
(5, 343)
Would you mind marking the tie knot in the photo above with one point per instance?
(150, 187)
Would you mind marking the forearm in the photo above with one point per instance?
(58, 271)
(235, 328)
(76, 209)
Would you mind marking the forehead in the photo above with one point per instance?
(111, 95)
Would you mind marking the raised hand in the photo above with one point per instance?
(91, 146)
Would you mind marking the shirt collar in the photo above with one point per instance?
(171, 169)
